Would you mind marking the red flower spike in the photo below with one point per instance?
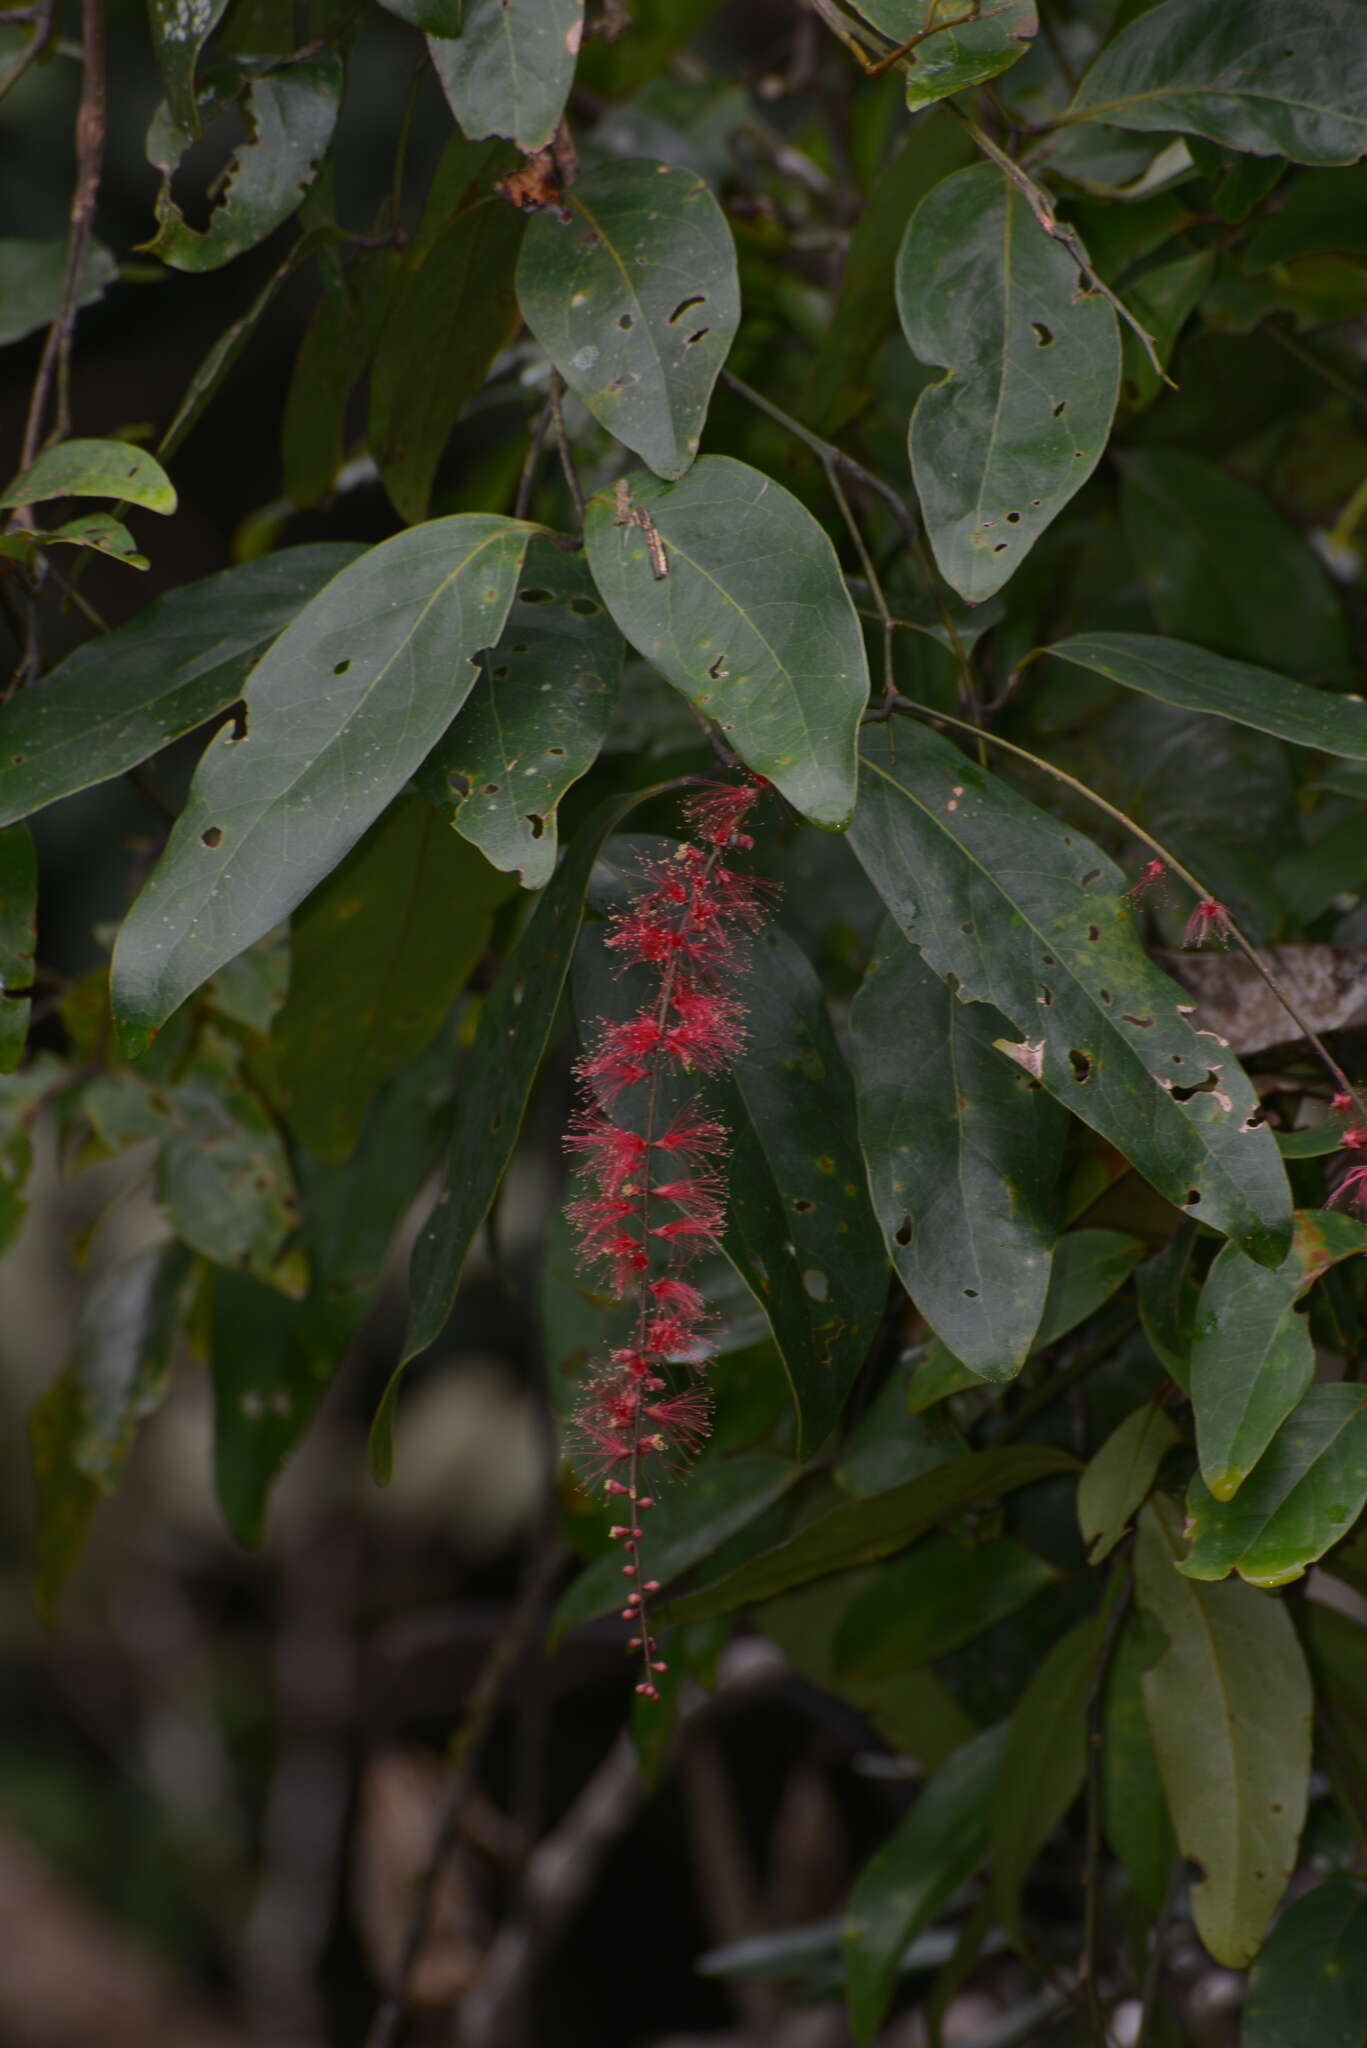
(1355, 1138)
(1351, 1192)
(1342, 1104)
(1209, 920)
(1153, 875)
(716, 812)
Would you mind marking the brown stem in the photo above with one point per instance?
(556, 390)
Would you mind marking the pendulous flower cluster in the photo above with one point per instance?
(649, 1162)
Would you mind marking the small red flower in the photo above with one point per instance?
(1351, 1192)
(1153, 875)
(717, 812)
(1209, 920)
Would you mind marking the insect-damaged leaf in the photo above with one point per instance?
(94, 469)
(800, 1231)
(963, 46)
(1026, 914)
(510, 69)
(1305, 1492)
(1243, 72)
(750, 620)
(1251, 1355)
(1229, 1709)
(636, 300)
(963, 1156)
(1018, 422)
(339, 713)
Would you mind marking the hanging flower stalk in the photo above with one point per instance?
(649, 1160)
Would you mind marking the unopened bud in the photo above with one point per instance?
(660, 1665)
(647, 1692)
(646, 1501)
(613, 1486)
(652, 1585)
(628, 1571)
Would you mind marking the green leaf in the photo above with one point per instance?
(635, 299)
(1221, 567)
(31, 278)
(1089, 1267)
(334, 354)
(1320, 212)
(1018, 422)
(1228, 70)
(906, 1884)
(963, 1159)
(290, 114)
(18, 929)
(1177, 673)
(1118, 1478)
(433, 17)
(1134, 1809)
(800, 1231)
(82, 1428)
(1229, 1710)
(535, 719)
(959, 52)
(454, 305)
(1304, 1493)
(1044, 1764)
(1252, 1357)
(752, 621)
(224, 1177)
(514, 1026)
(1162, 299)
(94, 469)
(175, 664)
(861, 1531)
(339, 713)
(510, 70)
(98, 531)
(687, 1524)
(1026, 914)
(939, 1596)
(1309, 1981)
(378, 955)
(180, 29)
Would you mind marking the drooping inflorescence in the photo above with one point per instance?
(649, 1160)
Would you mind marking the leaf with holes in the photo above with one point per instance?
(290, 114)
(1236, 1769)
(1252, 1357)
(1305, 1492)
(340, 712)
(1242, 72)
(178, 662)
(1119, 1476)
(18, 928)
(94, 469)
(963, 1159)
(734, 593)
(1044, 1764)
(799, 1230)
(510, 69)
(1032, 369)
(378, 954)
(636, 300)
(1177, 673)
(1309, 1981)
(535, 720)
(1026, 914)
(961, 47)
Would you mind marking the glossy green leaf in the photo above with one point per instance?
(1119, 1476)
(1252, 1357)
(635, 299)
(18, 929)
(510, 70)
(454, 305)
(1221, 567)
(181, 660)
(290, 114)
(960, 52)
(800, 1231)
(180, 29)
(1236, 1766)
(1304, 1493)
(1133, 1805)
(535, 720)
(1044, 1764)
(1026, 915)
(1309, 1982)
(497, 1082)
(963, 1159)
(82, 1428)
(1177, 673)
(378, 954)
(1232, 71)
(905, 1885)
(861, 1531)
(94, 469)
(31, 276)
(688, 1523)
(939, 1596)
(339, 713)
(334, 354)
(751, 621)
(1018, 422)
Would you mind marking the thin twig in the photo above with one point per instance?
(885, 618)
(1040, 205)
(1153, 1972)
(528, 477)
(908, 705)
(1096, 1704)
(555, 400)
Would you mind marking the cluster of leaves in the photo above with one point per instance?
(1042, 1372)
